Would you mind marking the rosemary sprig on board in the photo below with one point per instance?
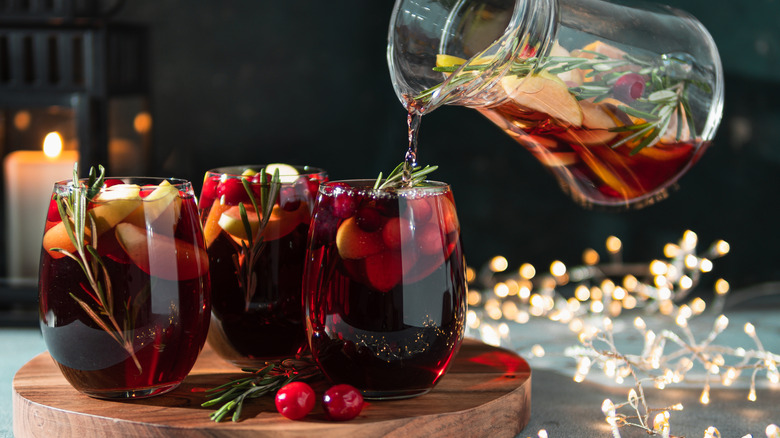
(231, 396)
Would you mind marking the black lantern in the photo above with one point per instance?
(69, 77)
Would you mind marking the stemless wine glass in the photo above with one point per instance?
(256, 258)
(384, 286)
(124, 285)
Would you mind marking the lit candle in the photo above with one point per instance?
(29, 180)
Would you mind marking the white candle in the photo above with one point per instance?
(29, 181)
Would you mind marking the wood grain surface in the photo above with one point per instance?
(487, 392)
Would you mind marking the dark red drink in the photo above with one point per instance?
(256, 268)
(131, 321)
(384, 287)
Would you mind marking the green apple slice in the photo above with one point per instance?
(287, 173)
(163, 200)
(113, 204)
(231, 222)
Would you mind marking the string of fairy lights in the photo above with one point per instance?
(589, 298)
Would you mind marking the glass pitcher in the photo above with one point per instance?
(617, 99)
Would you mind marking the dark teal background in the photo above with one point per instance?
(307, 82)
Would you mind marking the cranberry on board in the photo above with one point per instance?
(295, 400)
(342, 402)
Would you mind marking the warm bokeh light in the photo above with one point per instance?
(527, 271)
(614, 245)
(52, 145)
(590, 257)
(557, 268)
(142, 123)
(498, 264)
(22, 120)
(721, 286)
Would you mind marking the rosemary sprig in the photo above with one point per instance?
(670, 98)
(230, 397)
(395, 178)
(73, 212)
(246, 259)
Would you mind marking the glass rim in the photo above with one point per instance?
(238, 169)
(366, 185)
(176, 182)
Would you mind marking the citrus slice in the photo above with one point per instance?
(448, 60)
(354, 243)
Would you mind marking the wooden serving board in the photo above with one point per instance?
(487, 392)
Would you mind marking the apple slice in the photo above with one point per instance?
(287, 173)
(163, 200)
(230, 221)
(113, 204)
(354, 243)
(544, 93)
(281, 222)
(160, 255)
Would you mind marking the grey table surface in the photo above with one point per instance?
(560, 406)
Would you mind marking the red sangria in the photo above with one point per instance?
(256, 222)
(124, 285)
(384, 286)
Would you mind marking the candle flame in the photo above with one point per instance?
(52, 144)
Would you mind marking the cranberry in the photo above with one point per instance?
(368, 219)
(629, 87)
(342, 402)
(325, 229)
(397, 232)
(232, 191)
(344, 205)
(209, 192)
(295, 400)
(419, 210)
(54, 212)
(288, 198)
(112, 182)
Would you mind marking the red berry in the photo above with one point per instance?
(342, 402)
(629, 87)
(295, 400)
(397, 232)
(288, 198)
(112, 182)
(232, 191)
(368, 219)
(54, 212)
(209, 192)
(344, 205)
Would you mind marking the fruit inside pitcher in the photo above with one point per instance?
(614, 128)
